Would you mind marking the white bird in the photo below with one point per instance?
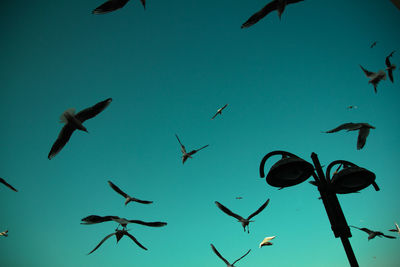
(390, 67)
(74, 122)
(7, 184)
(224, 260)
(266, 242)
(113, 5)
(186, 155)
(363, 131)
(374, 77)
(93, 219)
(126, 196)
(219, 111)
(373, 234)
(397, 230)
(4, 233)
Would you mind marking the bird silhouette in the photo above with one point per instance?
(113, 5)
(389, 66)
(94, 219)
(186, 155)
(373, 234)
(374, 77)
(266, 241)
(224, 260)
(397, 230)
(219, 111)
(373, 44)
(7, 184)
(126, 196)
(363, 131)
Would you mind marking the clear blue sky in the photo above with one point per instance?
(168, 69)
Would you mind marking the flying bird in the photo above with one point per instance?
(278, 5)
(74, 122)
(373, 44)
(112, 5)
(185, 155)
(243, 221)
(389, 66)
(126, 196)
(266, 241)
(373, 234)
(397, 230)
(239, 197)
(7, 184)
(224, 260)
(363, 131)
(93, 219)
(374, 77)
(118, 234)
(352, 107)
(219, 111)
(4, 233)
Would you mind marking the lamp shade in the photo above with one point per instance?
(352, 179)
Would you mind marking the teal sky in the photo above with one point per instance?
(168, 69)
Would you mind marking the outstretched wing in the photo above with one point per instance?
(93, 219)
(101, 242)
(197, 150)
(259, 209)
(143, 3)
(228, 211)
(389, 236)
(215, 115)
(344, 126)
(363, 229)
(241, 257)
(182, 146)
(367, 72)
(219, 255)
(135, 240)
(142, 201)
(260, 14)
(93, 111)
(117, 189)
(62, 139)
(362, 137)
(7, 184)
(110, 6)
(152, 224)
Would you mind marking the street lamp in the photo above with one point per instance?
(292, 170)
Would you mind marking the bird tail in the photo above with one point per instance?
(63, 118)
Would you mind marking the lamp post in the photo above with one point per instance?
(292, 170)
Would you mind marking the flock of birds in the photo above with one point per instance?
(74, 122)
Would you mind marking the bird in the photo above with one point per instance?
(126, 196)
(112, 5)
(374, 77)
(278, 5)
(93, 219)
(266, 242)
(363, 131)
(352, 107)
(118, 234)
(74, 122)
(239, 197)
(7, 184)
(4, 233)
(224, 260)
(397, 230)
(185, 155)
(373, 44)
(243, 221)
(389, 66)
(219, 111)
(373, 234)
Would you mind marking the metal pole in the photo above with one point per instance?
(349, 252)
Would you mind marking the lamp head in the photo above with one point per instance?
(352, 179)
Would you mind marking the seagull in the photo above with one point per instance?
(266, 242)
(185, 155)
(112, 5)
(373, 44)
(4, 233)
(126, 196)
(93, 219)
(119, 234)
(7, 184)
(73, 122)
(373, 234)
(239, 197)
(397, 230)
(352, 107)
(362, 133)
(390, 67)
(226, 262)
(374, 77)
(278, 5)
(243, 221)
(219, 111)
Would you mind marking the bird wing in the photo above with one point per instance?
(219, 255)
(93, 219)
(228, 211)
(266, 240)
(363, 229)
(141, 201)
(182, 146)
(101, 242)
(259, 209)
(367, 72)
(389, 236)
(62, 139)
(241, 257)
(134, 240)
(344, 126)
(390, 73)
(143, 3)
(387, 61)
(117, 189)
(93, 111)
(110, 6)
(362, 137)
(260, 14)
(7, 184)
(152, 224)
(196, 150)
(215, 115)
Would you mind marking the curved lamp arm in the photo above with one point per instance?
(273, 153)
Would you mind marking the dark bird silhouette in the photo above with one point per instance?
(243, 221)
(373, 44)
(239, 197)
(4, 233)
(374, 77)
(185, 155)
(93, 219)
(397, 230)
(224, 260)
(118, 234)
(278, 5)
(113, 5)
(7, 184)
(126, 196)
(389, 66)
(74, 122)
(373, 234)
(219, 111)
(363, 131)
